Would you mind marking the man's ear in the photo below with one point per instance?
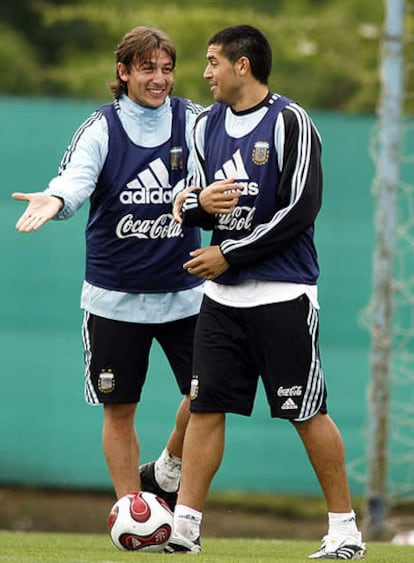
(243, 65)
(122, 72)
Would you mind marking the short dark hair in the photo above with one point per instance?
(246, 41)
(135, 47)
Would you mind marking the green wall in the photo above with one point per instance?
(48, 435)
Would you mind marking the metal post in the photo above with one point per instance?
(385, 185)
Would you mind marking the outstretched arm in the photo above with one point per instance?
(40, 209)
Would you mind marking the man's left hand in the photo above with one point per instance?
(207, 263)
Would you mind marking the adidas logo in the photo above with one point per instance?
(150, 186)
(234, 168)
(349, 552)
(289, 404)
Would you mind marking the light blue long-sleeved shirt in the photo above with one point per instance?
(79, 171)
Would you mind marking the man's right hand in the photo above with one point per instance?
(41, 208)
(220, 197)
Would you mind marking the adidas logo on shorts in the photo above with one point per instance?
(289, 404)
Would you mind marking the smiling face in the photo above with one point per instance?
(222, 76)
(233, 83)
(149, 81)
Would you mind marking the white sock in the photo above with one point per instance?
(342, 524)
(167, 471)
(187, 522)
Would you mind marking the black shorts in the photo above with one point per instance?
(117, 354)
(233, 347)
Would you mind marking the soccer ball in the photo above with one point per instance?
(140, 522)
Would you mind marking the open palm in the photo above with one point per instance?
(41, 208)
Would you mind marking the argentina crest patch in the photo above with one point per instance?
(176, 158)
(260, 153)
(106, 381)
(194, 387)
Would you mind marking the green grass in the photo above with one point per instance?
(21, 547)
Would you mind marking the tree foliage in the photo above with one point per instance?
(325, 51)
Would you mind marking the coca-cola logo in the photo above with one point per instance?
(240, 219)
(295, 391)
(163, 227)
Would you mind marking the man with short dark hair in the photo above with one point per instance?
(259, 316)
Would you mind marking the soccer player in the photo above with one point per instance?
(259, 316)
(125, 159)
